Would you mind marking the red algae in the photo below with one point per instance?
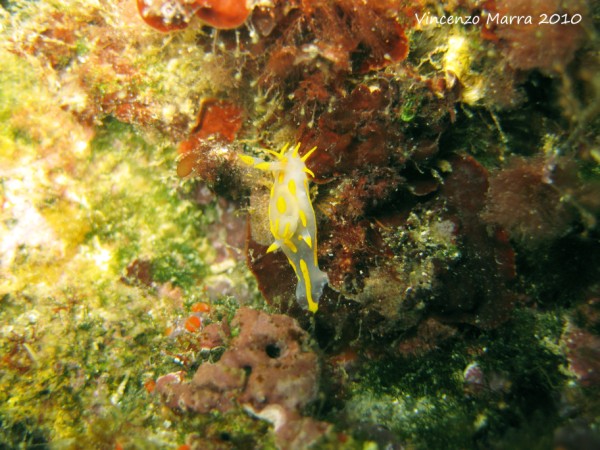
(222, 14)
(173, 15)
(488, 260)
(542, 34)
(524, 201)
(218, 118)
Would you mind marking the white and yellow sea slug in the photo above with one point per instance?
(292, 220)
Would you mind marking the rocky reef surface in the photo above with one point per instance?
(456, 194)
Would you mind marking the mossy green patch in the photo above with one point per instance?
(424, 401)
(17, 84)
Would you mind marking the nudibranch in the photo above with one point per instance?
(292, 220)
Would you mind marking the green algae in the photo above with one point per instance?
(79, 349)
(424, 400)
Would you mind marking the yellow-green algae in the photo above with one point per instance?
(423, 400)
(81, 201)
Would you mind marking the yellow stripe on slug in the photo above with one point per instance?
(312, 306)
(292, 187)
(308, 240)
(293, 266)
(290, 245)
(281, 205)
(302, 217)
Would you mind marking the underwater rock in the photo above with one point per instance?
(583, 353)
(428, 336)
(207, 152)
(268, 369)
(577, 435)
(582, 343)
(215, 161)
(548, 42)
(338, 35)
(523, 200)
(138, 272)
(477, 290)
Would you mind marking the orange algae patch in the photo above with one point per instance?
(201, 307)
(186, 165)
(150, 386)
(217, 118)
(193, 324)
(223, 14)
(395, 46)
(173, 15)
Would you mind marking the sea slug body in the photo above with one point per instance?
(292, 220)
